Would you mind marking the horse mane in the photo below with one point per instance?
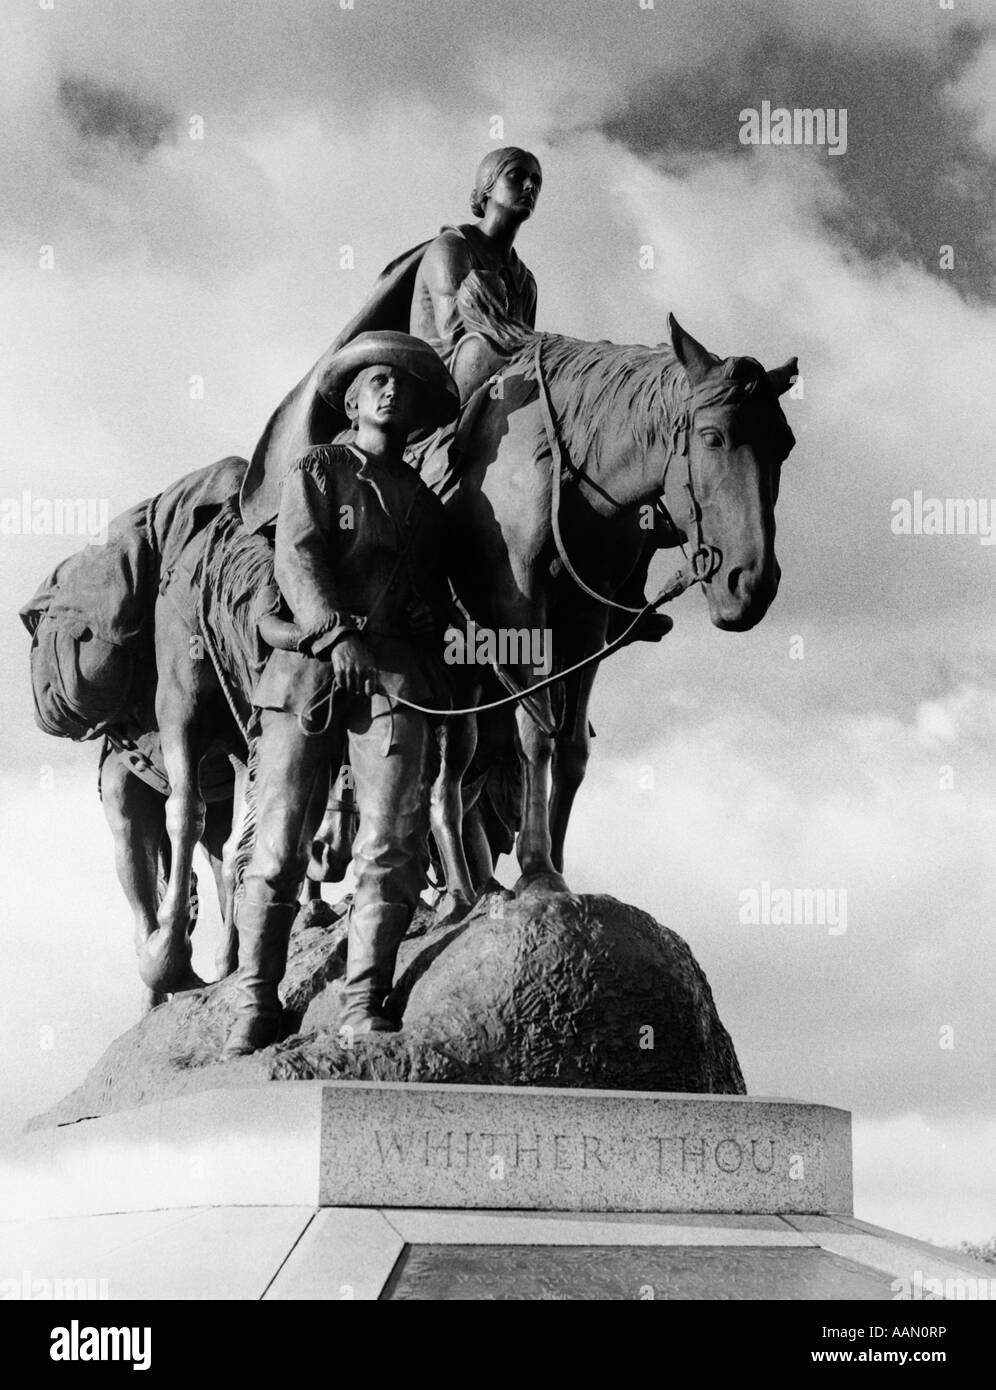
(646, 387)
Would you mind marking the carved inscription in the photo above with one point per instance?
(528, 1151)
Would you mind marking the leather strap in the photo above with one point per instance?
(557, 460)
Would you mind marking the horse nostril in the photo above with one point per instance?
(733, 579)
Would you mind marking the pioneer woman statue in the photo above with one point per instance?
(482, 255)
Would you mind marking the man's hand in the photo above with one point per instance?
(353, 667)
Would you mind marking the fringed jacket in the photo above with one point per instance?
(359, 549)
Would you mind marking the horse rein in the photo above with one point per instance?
(697, 568)
(283, 635)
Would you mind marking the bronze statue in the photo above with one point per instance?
(551, 493)
(666, 419)
(359, 561)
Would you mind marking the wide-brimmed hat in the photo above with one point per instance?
(438, 397)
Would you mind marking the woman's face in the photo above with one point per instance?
(517, 187)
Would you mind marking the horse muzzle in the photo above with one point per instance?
(740, 596)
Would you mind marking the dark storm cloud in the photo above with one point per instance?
(106, 113)
(915, 179)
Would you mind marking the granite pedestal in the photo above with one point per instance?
(317, 1190)
(357, 1144)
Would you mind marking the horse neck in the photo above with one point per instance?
(628, 471)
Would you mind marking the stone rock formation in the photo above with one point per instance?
(541, 989)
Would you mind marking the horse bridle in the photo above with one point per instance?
(697, 568)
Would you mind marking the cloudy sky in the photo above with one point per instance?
(862, 759)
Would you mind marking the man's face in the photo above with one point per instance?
(387, 396)
(518, 187)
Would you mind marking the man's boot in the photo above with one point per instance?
(375, 933)
(264, 930)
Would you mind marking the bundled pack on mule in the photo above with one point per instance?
(92, 660)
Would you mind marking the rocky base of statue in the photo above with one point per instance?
(543, 989)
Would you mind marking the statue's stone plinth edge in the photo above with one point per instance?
(458, 1147)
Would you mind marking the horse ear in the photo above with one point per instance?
(781, 378)
(692, 355)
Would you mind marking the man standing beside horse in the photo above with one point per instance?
(359, 560)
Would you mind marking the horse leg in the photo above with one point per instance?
(332, 810)
(457, 739)
(570, 759)
(332, 850)
(477, 849)
(534, 845)
(164, 960)
(134, 813)
(219, 828)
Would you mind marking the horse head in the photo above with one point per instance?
(722, 485)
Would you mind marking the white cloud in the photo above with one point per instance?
(72, 982)
(747, 792)
(926, 1176)
(974, 94)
